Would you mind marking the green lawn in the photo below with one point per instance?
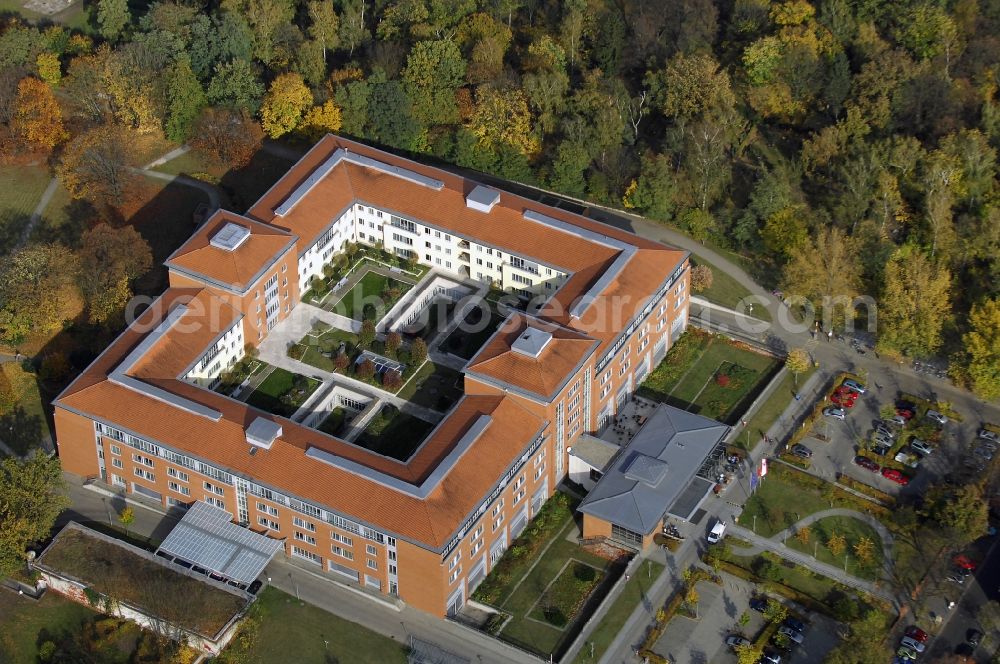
(23, 622)
(466, 340)
(369, 298)
(771, 409)
(21, 189)
(26, 424)
(811, 584)
(727, 291)
(394, 433)
(279, 394)
(529, 628)
(852, 530)
(75, 17)
(292, 631)
(565, 595)
(636, 590)
(433, 386)
(688, 377)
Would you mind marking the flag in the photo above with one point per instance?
(753, 480)
(763, 467)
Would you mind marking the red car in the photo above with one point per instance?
(916, 634)
(965, 562)
(894, 475)
(866, 463)
(842, 401)
(905, 413)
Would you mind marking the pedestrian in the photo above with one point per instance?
(798, 397)
(627, 577)
(829, 335)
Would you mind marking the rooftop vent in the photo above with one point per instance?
(482, 198)
(532, 342)
(230, 237)
(262, 433)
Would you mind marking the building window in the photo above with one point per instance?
(213, 488)
(145, 474)
(497, 522)
(177, 488)
(343, 553)
(371, 550)
(146, 461)
(372, 564)
(343, 539)
(595, 475)
(267, 509)
(454, 560)
(216, 502)
(498, 507)
(306, 555)
(268, 523)
(117, 451)
(454, 575)
(627, 536)
(178, 474)
(117, 463)
(302, 523)
(302, 537)
(117, 480)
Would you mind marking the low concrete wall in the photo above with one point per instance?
(409, 308)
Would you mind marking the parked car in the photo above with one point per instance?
(986, 434)
(735, 640)
(936, 416)
(793, 635)
(770, 657)
(881, 438)
(917, 634)
(855, 385)
(843, 401)
(973, 637)
(899, 420)
(965, 562)
(866, 463)
(956, 577)
(912, 643)
(881, 449)
(907, 653)
(759, 603)
(884, 430)
(983, 452)
(795, 624)
(921, 446)
(905, 413)
(836, 413)
(717, 532)
(906, 457)
(801, 451)
(896, 476)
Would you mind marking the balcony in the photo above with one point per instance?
(464, 257)
(463, 244)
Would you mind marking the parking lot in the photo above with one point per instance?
(839, 441)
(702, 641)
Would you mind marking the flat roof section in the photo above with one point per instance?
(672, 445)
(207, 537)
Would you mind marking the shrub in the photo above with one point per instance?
(393, 341)
(341, 361)
(319, 286)
(722, 379)
(365, 370)
(391, 380)
(418, 351)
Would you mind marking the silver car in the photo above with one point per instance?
(838, 413)
(912, 643)
(986, 434)
(937, 417)
(921, 447)
(793, 636)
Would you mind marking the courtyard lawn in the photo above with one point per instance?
(282, 392)
(466, 340)
(636, 590)
(852, 531)
(727, 291)
(549, 598)
(365, 300)
(394, 433)
(433, 386)
(334, 422)
(292, 631)
(709, 375)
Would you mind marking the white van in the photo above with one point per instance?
(718, 532)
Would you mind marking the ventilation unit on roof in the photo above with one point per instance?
(262, 433)
(482, 198)
(230, 237)
(531, 342)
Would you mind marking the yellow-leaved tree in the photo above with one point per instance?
(285, 102)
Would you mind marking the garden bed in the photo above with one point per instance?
(372, 296)
(564, 597)
(393, 433)
(282, 392)
(465, 343)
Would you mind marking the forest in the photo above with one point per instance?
(840, 147)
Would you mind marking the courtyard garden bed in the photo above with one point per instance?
(433, 386)
(465, 341)
(710, 375)
(358, 257)
(372, 296)
(282, 392)
(393, 433)
(335, 422)
(563, 598)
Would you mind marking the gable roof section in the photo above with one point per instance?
(654, 469)
(544, 375)
(236, 269)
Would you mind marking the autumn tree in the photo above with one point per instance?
(803, 534)
(110, 260)
(865, 643)
(32, 494)
(49, 67)
(34, 288)
(826, 271)
(418, 351)
(748, 654)
(320, 121)
(393, 340)
(226, 136)
(324, 24)
(961, 511)
(978, 363)
(97, 166)
(367, 333)
(864, 550)
(701, 278)
(914, 306)
(797, 362)
(503, 118)
(836, 544)
(285, 102)
(37, 117)
(690, 86)
(186, 99)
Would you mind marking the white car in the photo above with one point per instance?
(791, 634)
(718, 532)
(937, 417)
(986, 434)
(912, 643)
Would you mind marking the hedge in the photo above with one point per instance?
(868, 490)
